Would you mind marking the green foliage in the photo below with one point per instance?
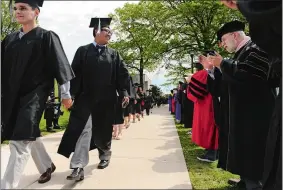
(8, 25)
(142, 35)
(151, 33)
(196, 25)
(156, 92)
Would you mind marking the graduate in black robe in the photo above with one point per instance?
(119, 116)
(180, 100)
(139, 98)
(148, 101)
(31, 59)
(250, 104)
(100, 73)
(188, 105)
(128, 111)
(265, 27)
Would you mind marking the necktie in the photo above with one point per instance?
(100, 48)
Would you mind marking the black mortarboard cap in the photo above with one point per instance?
(136, 84)
(33, 3)
(100, 23)
(232, 26)
(180, 82)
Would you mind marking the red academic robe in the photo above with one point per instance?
(204, 131)
(173, 103)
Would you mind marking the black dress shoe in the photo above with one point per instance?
(56, 127)
(103, 164)
(77, 175)
(50, 130)
(237, 183)
(46, 176)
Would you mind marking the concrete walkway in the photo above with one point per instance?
(149, 156)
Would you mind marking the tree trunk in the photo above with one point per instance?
(141, 72)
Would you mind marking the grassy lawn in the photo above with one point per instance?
(203, 175)
(63, 122)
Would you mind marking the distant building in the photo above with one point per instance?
(146, 81)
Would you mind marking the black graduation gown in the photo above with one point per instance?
(119, 111)
(250, 106)
(139, 101)
(29, 66)
(133, 95)
(272, 177)
(188, 108)
(219, 89)
(215, 91)
(265, 25)
(148, 102)
(180, 100)
(49, 109)
(98, 76)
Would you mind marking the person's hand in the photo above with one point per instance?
(67, 103)
(232, 4)
(205, 62)
(216, 60)
(126, 99)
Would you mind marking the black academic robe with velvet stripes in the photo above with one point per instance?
(250, 101)
(205, 130)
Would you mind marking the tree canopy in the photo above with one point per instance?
(142, 37)
(8, 25)
(150, 34)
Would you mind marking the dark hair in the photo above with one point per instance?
(94, 34)
(33, 7)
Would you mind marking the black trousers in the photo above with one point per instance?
(147, 111)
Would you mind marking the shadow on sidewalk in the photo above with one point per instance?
(171, 133)
(58, 178)
(182, 186)
(170, 163)
(170, 144)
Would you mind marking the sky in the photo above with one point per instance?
(70, 20)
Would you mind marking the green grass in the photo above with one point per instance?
(63, 122)
(203, 175)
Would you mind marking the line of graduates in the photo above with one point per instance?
(138, 102)
(96, 86)
(234, 110)
(180, 105)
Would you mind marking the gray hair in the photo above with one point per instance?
(241, 33)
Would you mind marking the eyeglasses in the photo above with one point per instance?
(107, 30)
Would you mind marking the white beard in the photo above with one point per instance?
(231, 46)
